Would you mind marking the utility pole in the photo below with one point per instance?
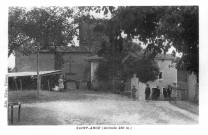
(38, 76)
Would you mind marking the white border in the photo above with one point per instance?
(140, 129)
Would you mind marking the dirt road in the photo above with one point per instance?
(103, 108)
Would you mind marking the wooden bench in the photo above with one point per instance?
(11, 105)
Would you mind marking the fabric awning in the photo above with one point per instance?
(33, 73)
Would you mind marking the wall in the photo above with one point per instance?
(94, 66)
(192, 86)
(188, 81)
(169, 76)
(29, 63)
(79, 66)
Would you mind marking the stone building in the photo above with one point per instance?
(74, 65)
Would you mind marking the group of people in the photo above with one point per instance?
(155, 92)
(62, 84)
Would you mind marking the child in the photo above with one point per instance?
(147, 92)
(134, 92)
(122, 85)
(77, 83)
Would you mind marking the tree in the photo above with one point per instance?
(122, 65)
(181, 26)
(48, 26)
(39, 28)
(145, 68)
(159, 28)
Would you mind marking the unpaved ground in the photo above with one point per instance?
(103, 108)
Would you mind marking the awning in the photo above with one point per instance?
(33, 73)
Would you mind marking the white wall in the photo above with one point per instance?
(192, 86)
(168, 78)
(94, 65)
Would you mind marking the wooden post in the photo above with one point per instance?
(49, 86)
(20, 83)
(11, 113)
(19, 112)
(15, 83)
(38, 77)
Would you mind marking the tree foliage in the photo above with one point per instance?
(46, 26)
(159, 28)
(125, 62)
(145, 68)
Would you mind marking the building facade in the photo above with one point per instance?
(74, 65)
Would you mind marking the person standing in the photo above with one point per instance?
(61, 83)
(175, 88)
(135, 83)
(65, 83)
(165, 92)
(134, 90)
(157, 92)
(169, 90)
(122, 86)
(147, 92)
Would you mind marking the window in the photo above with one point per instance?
(160, 76)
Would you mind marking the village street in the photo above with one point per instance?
(85, 107)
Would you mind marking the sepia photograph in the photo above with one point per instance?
(103, 65)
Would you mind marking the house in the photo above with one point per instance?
(167, 76)
(73, 65)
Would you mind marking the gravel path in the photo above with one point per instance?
(103, 108)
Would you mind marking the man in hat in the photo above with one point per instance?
(147, 92)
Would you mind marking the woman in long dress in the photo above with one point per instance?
(61, 83)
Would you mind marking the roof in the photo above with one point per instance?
(94, 58)
(65, 49)
(158, 57)
(34, 73)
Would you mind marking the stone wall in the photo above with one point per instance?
(188, 81)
